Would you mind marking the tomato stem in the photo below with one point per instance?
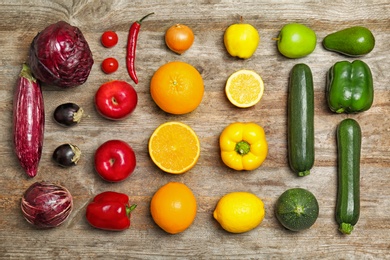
(242, 147)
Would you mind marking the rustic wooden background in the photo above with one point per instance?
(209, 179)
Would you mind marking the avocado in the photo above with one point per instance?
(353, 41)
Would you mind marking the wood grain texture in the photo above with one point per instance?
(209, 179)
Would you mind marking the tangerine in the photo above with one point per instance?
(174, 147)
(177, 87)
(173, 207)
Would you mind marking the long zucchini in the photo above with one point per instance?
(301, 120)
(348, 194)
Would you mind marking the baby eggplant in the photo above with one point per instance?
(68, 114)
(66, 155)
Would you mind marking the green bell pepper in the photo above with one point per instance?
(349, 87)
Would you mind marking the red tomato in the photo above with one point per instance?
(109, 39)
(109, 65)
(116, 99)
(115, 160)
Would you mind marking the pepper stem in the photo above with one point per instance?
(242, 147)
(140, 21)
(129, 209)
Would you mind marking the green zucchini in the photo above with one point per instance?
(301, 120)
(348, 192)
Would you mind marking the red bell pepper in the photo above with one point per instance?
(110, 211)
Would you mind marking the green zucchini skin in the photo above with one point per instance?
(348, 192)
(301, 120)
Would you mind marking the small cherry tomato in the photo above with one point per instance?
(109, 65)
(109, 39)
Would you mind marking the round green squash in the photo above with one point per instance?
(297, 209)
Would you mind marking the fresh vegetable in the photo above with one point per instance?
(297, 209)
(241, 40)
(296, 40)
(60, 56)
(349, 87)
(116, 99)
(110, 210)
(301, 120)
(243, 146)
(353, 41)
(115, 160)
(349, 138)
(179, 38)
(109, 39)
(66, 155)
(131, 48)
(68, 114)
(46, 205)
(28, 121)
(239, 212)
(110, 65)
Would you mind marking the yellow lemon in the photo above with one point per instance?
(239, 212)
(241, 40)
(244, 88)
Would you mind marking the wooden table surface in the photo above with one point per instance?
(209, 179)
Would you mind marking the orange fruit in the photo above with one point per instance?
(244, 88)
(173, 207)
(174, 147)
(179, 38)
(177, 87)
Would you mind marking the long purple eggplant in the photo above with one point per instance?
(28, 121)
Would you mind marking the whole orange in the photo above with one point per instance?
(173, 207)
(177, 87)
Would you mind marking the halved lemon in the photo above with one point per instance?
(244, 88)
(174, 147)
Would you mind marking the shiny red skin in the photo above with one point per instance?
(115, 160)
(110, 65)
(28, 121)
(109, 211)
(116, 99)
(109, 39)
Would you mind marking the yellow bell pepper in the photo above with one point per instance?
(243, 146)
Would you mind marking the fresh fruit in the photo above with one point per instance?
(109, 65)
(114, 160)
(241, 40)
(244, 88)
(109, 39)
(353, 41)
(296, 40)
(349, 138)
(177, 87)
(174, 147)
(173, 207)
(297, 209)
(116, 99)
(301, 120)
(179, 38)
(239, 212)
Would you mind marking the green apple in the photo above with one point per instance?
(296, 40)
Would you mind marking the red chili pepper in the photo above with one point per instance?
(110, 211)
(131, 46)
